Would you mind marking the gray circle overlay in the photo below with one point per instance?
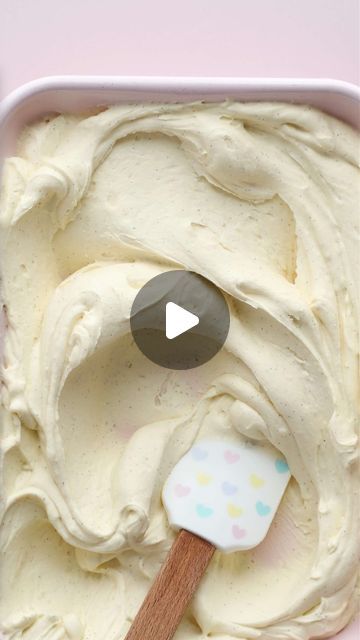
(193, 293)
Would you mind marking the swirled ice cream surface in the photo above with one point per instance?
(261, 199)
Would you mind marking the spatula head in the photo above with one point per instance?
(227, 494)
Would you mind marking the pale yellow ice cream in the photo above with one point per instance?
(262, 199)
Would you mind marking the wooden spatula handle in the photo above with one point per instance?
(170, 594)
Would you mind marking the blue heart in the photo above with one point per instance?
(229, 489)
(281, 466)
(199, 454)
(204, 512)
(262, 509)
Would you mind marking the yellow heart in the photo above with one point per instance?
(234, 511)
(256, 482)
(203, 479)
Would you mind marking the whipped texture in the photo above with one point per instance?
(263, 200)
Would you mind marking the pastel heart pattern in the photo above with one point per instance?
(204, 511)
(256, 482)
(199, 454)
(203, 479)
(181, 491)
(231, 457)
(262, 509)
(229, 489)
(281, 465)
(234, 511)
(238, 533)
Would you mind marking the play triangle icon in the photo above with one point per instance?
(178, 320)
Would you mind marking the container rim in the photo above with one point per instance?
(179, 84)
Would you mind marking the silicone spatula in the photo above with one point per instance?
(219, 496)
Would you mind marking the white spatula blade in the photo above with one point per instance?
(227, 494)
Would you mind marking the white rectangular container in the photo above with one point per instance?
(61, 94)
(71, 94)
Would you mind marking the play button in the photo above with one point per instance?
(179, 320)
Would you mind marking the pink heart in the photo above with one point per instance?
(231, 457)
(181, 491)
(238, 533)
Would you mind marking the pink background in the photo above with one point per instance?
(268, 38)
(311, 38)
